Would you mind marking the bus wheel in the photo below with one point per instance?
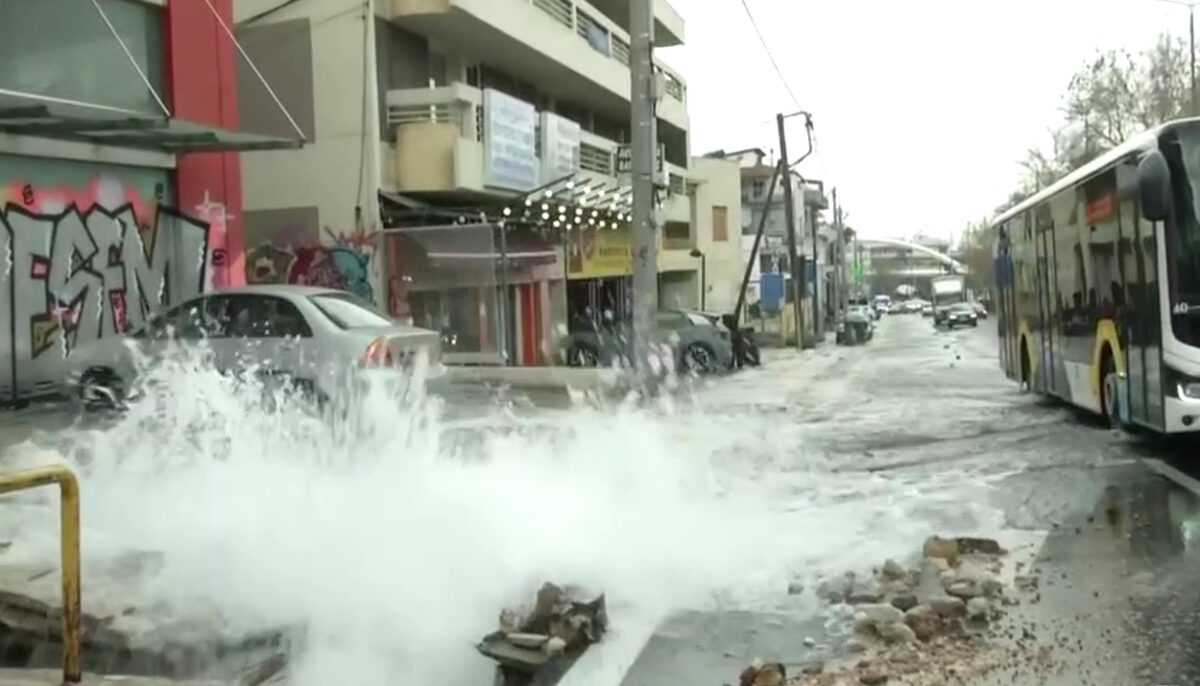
(1108, 391)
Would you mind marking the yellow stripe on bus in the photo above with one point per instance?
(1106, 332)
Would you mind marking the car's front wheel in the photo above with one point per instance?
(101, 389)
(699, 359)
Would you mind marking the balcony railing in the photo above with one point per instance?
(461, 105)
(602, 35)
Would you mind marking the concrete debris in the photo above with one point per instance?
(759, 674)
(539, 644)
(930, 625)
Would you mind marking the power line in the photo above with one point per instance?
(766, 49)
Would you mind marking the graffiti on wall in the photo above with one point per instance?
(296, 254)
(214, 214)
(86, 263)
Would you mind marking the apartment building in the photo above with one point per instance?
(814, 236)
(120, 188)
(465, 164)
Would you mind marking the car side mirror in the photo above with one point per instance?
(1154, 187)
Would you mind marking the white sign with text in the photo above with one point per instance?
(561, 140)
(510, 142)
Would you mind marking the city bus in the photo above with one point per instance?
(1098, 284)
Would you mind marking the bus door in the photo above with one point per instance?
(1131, 325)
(1043, 240)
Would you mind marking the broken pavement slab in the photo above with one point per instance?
(545, 640)
(121, 632)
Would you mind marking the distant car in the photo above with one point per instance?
(699, 344)
(961, 314)
(981, 310)
(927, 310)
(315, 339)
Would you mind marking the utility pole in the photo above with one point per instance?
(838, 256)
(795, 260)
(1191, 5)
(643, 162)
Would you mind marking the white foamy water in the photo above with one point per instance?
(396, 544)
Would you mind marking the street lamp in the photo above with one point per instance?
(703, 275)
(1191, 5)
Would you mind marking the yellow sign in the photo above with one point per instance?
(595, 253)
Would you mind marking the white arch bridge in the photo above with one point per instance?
(954, 265)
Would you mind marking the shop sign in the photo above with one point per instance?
(596, 253)
(510, 142)
(561, 141)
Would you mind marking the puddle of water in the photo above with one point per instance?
(396, 535)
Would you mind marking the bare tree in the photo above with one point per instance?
(1112, 97)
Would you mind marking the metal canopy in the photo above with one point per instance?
(33, 115)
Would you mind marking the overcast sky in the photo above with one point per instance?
(922, 108)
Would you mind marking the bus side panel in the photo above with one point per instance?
(1049, 364)
(1086, 219)
(1002, 304)
(1024, 306)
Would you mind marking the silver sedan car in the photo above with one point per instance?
(315, 339)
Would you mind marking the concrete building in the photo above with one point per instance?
(436, 128)
(813, 234)
(713, 242)
(120, 186)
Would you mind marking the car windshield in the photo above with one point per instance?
(347, 311)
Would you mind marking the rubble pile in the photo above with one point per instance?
(929, 624)
(538, 644)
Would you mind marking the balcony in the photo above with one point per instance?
(668, 24)
(439, 143)
(569, 49)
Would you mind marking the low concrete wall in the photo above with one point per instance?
(540, 378)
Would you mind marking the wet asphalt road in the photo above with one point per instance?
(1119, 547)
(924, 411)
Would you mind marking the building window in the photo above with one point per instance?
(758, 189)
(677, 235)
(720, 223)
(63, 49)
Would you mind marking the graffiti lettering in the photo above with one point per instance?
(76, 276)
(344, 265)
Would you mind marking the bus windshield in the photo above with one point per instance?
(1182, 150)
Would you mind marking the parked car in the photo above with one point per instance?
(315, 339)
(927, 309)
(699, 343)
(981, 310)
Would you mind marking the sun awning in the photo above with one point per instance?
(467, 243)
(34, 115)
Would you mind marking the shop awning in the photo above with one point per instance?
(35, 115)
(473, 243)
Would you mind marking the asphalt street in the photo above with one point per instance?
(928, 418)
(915, 433)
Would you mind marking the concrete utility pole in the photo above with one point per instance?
(1191, 5)
(838, 257)
(795, 260)
(643, 161)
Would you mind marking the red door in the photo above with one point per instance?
(531, 324)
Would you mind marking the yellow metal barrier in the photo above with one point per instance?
(68, 487)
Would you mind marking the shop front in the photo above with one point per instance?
(488, 290)
(599, 274)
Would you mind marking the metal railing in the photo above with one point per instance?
(72, 610)
(584, 22)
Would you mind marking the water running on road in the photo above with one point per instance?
(397, 546)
